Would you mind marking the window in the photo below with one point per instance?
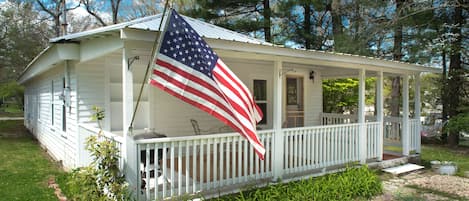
(64, 111)
(292, 92)
(260, 95)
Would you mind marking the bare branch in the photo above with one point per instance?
(91, 12)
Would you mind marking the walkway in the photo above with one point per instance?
(11, 118)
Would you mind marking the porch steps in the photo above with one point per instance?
(406, 168)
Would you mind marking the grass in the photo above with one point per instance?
(12, 110)
(24, 167)
(435, 152)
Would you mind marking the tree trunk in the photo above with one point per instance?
(397, 55)
(267, 33)
(444, 96)
(307, 26)
(455, 83)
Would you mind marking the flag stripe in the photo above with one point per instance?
(179, 77)
(235, 80)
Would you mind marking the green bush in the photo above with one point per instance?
(101, 180)
(349, 185)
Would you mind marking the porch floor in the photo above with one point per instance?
(387, 156)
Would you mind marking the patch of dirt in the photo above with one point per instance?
(57, 190)
(409, 187)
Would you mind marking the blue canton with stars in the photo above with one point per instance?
(182, 43)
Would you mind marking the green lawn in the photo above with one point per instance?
(12, 110)
(24, 167)
(435, 152)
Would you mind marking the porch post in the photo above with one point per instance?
(417, 109)
(405, 116)
(277, 148)
(361, 116)
(129, 151)
(380, 112)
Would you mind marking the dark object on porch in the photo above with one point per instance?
(143, 157)
(195, 126)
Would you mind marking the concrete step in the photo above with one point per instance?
(406, 168)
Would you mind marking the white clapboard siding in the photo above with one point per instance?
(38, 112)
(90, 89)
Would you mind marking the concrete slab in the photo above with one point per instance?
(409, 167)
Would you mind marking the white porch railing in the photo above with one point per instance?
(392, 128)
(188, 165)
(392, 125)
(414, 126)
(226, 162)
(85, 131)
(374, 140)
(320, 146)
(334, 118)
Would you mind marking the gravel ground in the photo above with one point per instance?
(397, 187)
(449, 184)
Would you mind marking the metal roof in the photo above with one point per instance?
(152, 23)
(207, 30)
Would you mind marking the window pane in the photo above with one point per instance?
(260, 90)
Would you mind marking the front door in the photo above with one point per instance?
(294, 103)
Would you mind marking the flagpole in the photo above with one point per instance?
(156, 46)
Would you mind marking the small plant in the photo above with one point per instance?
(102, 180)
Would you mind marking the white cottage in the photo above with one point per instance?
(105, 67)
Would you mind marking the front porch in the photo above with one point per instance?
(300, 139)
(223, 163)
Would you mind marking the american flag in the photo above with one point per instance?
(187, 68)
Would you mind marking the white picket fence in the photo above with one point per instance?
(226, 162)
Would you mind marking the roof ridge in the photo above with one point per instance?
(106, 28)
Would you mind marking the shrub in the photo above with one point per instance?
(349, 185)
(101, 180)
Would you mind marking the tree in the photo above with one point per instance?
(22, 36)
(245, 16)
(455, 74)
(397, 56)
(13, 90)
(341, 95)
(95, 8)
(54, 9)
